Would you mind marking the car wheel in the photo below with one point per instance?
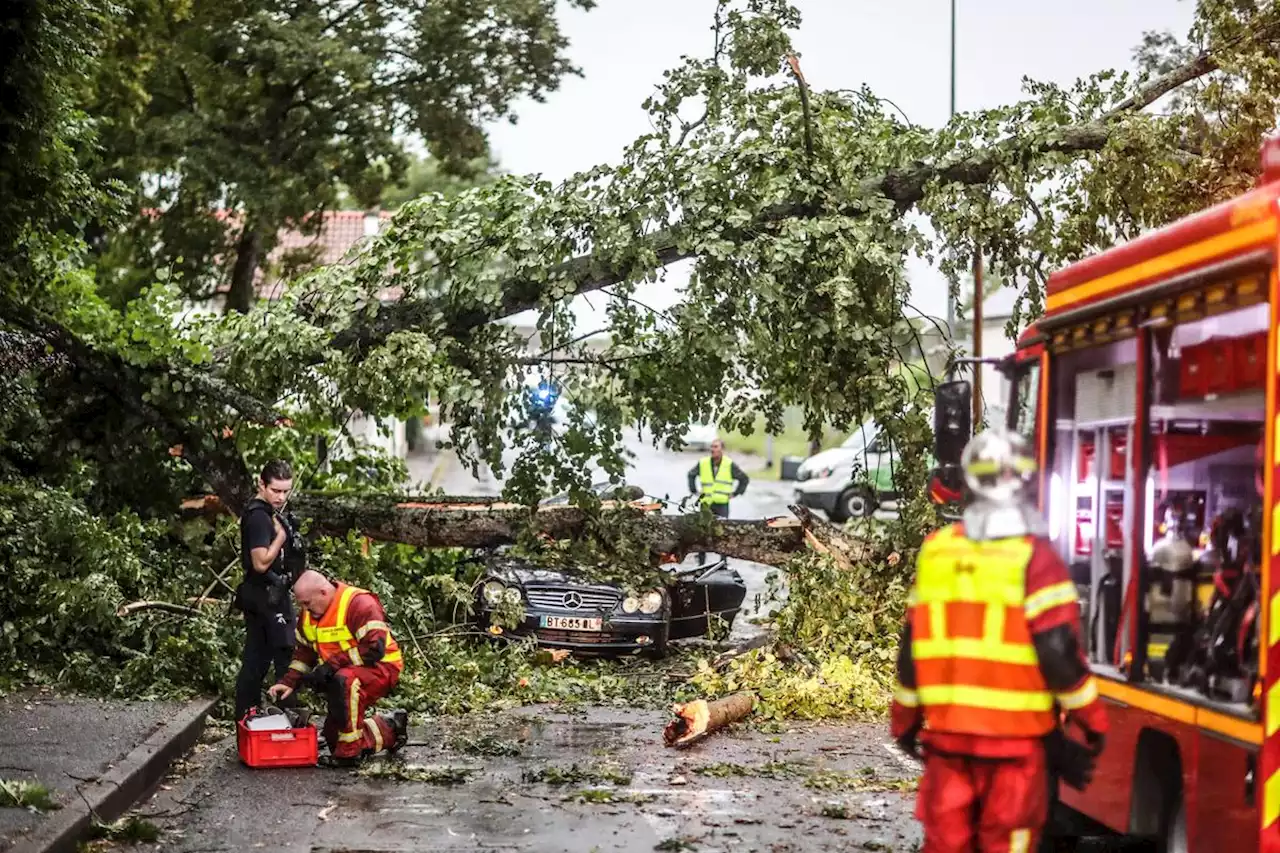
(857, 503)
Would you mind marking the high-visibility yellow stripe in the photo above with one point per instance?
(371, 626)
(299, 666)
(976, 649)
(1169, 262)
(1273, 709)
(905, 697)
(1077, 699)
(993, 624)
(1274, 628)
(1020, 841)
(1271, 800)
(989, 698)
(1275, 525)
(353, 710)
(1050, 597)
(348, 737)
(392, 657)
(372, 725)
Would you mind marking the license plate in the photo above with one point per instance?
(572, 623)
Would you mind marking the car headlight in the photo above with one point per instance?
(630, 604)
(512, 595)
(493, 592)
(651, 602)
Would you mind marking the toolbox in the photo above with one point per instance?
(295, 747)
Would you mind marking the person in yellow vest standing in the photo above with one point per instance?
(990, 664)
(716, 479)
(344, 649)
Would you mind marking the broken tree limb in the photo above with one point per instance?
(826, 538)
(443, 523)
(164, 606)
(695, 720)
(903, 187)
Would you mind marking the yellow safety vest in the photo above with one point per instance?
(716, 487)
(977, 671)
(331, 635)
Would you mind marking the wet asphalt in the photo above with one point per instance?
(771, 792)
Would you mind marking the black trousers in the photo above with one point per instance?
(719, 511)
(262, 650)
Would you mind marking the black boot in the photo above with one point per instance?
(328, 760)
(400, 724)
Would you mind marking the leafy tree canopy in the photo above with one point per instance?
(267, 108)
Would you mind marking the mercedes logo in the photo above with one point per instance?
(572, 600)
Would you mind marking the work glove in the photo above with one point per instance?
(319, 678)
(910, 743)
(1070, 760)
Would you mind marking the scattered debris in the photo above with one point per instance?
(748, 821)
(27, 795)
(324, 813)
(769, 770)
(607, 795)
(488, 744)
(577, 775)
(836, 810)
(127, 829)
(862, 783)
(685, 843)
(695, 720)
(416, 773)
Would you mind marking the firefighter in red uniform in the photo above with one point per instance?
(990, 660)
(345, 649)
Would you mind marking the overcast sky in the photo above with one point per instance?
(900, 48)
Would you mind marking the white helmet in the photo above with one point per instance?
(998, 465)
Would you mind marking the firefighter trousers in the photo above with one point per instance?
(983, 805)
(347, 729)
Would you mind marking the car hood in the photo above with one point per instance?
(519, 572)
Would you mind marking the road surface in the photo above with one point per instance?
(811, 787)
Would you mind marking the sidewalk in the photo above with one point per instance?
(96, 758)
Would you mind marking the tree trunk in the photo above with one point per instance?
(470, 523)
(242, 294)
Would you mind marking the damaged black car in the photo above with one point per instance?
(564, 611)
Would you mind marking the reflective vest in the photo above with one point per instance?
(717, 487)
(977, 672)
(332, 636)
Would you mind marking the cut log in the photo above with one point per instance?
(695, 720)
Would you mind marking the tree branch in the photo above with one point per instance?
(484, 523)
(903, 187)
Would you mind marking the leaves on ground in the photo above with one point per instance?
(28, 795)
(446, 776)
(575, 774)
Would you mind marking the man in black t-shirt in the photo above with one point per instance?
(270, 551)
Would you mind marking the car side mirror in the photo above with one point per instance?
(952, 424)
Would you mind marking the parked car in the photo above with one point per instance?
(565, 609)
(836, 480)
(699, 436)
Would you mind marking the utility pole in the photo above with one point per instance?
(977, 337)
(951, 301)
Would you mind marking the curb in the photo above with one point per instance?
(112, 794)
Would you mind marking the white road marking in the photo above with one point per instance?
(907, 762)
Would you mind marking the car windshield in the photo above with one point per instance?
(860, 436)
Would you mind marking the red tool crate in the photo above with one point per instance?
(278, 747)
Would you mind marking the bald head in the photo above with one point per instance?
(314, 592)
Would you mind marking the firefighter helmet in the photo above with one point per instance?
(998, 466)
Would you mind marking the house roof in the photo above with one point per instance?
(340, 231)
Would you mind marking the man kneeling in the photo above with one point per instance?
(345, 649)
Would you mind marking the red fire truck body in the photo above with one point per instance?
(1149, 387)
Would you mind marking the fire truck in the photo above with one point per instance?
(1149, 389)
